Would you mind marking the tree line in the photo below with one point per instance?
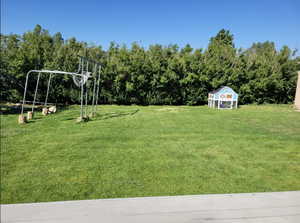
(158, 75)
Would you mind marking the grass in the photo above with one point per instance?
(131, 151)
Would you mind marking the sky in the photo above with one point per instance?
(164, 22)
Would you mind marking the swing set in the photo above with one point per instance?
(88, 71)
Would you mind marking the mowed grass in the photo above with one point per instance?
(132, 151)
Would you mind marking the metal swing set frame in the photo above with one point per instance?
(87, 69)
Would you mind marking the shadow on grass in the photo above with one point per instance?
(99, 116)
(104, 116)
(32, 121)
(71, 115)
(116, 114)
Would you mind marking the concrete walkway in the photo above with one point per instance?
(231, 208)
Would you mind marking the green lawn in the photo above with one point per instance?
(130, 151)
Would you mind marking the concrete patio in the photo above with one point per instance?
(231, 208)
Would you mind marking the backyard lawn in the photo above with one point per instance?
(132, 151)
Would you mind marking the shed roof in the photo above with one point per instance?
(220, 88)
(217, 90)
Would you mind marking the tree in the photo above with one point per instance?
(157, 75)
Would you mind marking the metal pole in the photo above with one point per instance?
(48, 89)
(81, 101)
(86, 90)
(94, 89)
(79, 67)
(25, 92)
(86, 93)
(98, 83)
(78, 73)
(36, 88)
(81, 98)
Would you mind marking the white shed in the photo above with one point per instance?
(223, 98)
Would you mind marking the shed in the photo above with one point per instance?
(223, 98)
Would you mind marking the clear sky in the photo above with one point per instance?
(158, 21)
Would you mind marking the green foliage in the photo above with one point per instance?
(157, 75)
